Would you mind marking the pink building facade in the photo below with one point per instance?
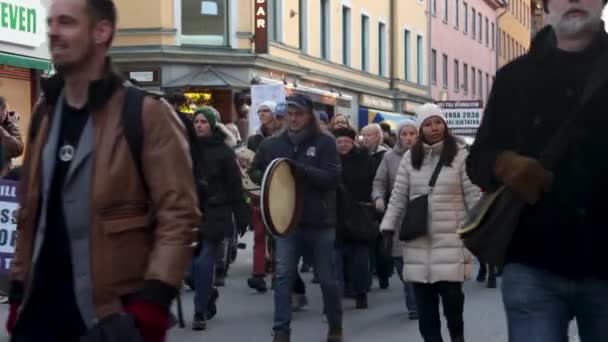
(464, 44)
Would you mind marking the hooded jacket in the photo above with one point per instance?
(225, 196)
(440, 255)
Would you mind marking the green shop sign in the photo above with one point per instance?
(22, 22)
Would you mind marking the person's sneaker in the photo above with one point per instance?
(334, 335)
(198, 322)
(257, 283)
(413, 315)
(383, 283)
(299, 302)
(361, 301)
(281, 338)
(212, 306)
(219, 281)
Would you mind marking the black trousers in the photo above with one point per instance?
(452, 298)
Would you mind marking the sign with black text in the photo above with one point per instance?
(464, 117)
(8, 224)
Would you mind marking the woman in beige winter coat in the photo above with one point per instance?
(437, 263)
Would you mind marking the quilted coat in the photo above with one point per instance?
(440, 255)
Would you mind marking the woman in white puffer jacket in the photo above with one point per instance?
(437, 263)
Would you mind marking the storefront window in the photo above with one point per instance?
(205, 22)
(195, 100)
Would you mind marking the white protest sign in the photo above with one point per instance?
(464, 117)
(260, 94)
(8, 223)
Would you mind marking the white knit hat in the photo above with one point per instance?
(429, 110)
(270, 105)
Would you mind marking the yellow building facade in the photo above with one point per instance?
(515, 30)
(349, 55)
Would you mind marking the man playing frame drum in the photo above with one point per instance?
(314, 161)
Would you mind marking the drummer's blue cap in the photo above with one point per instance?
(281, 109)
(301, 101)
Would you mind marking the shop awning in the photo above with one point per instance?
(24, 62)
(368, 116)
(207, 77)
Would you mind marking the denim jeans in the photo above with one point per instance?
(353, 259)
(288, 251)
(540, 305)
(203, 274)
(408, 287)
(452, 298)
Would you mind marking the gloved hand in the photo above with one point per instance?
(380, 205)
(525, 176)
(387, 244)
(152, 320)
(12, 317)
(299, 170)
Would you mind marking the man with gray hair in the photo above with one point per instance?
(555, 264)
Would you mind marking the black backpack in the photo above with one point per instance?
(131, 118)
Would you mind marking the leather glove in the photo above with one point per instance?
(152, 320)
(380, 205)
(12, 317)
(525, 176)
(387, 243)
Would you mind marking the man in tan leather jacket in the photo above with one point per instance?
(95, 239)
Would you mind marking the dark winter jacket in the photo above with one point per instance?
(254, 141)
(224, 195)
(355, 209)
(319, 171)
(567, 231)
(377, 156)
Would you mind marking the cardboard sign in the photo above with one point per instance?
(8, 224)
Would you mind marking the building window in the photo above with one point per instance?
(205, 23)
(407, 49)
(487, 32)
(473, 83)
(346, 36)
(493, 38)
(434, 66)
(456, 13)
(325, 28)
(456, 75)
(434, 7)
(365, 43)
(382, 49)
(465, 22)
(303, 22)
(480, 80)
(473, 25)
(503, 45)
(420, 59)
(445, 71)
(275, 19)
(465, 78)
(444, 11)
(480, 28)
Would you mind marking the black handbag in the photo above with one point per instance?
(415, 223)
(119, 327)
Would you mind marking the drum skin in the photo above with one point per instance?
(281, 198)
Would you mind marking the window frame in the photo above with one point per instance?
(203, 40)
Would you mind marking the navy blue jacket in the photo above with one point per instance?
(318, 167)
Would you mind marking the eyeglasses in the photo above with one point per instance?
(263, 110)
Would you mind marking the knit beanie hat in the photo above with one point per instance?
(427, 111)
(345, 132)
(270, 105)
(405, 123)
(211, 115)
(546, 2)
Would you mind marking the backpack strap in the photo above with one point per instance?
(132, 125)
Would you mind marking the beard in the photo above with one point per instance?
(72, 64)
(574, 26)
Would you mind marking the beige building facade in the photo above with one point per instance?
(515, 29)
(349, 55)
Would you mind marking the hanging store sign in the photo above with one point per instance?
(22, 22)
(261, 26)
(464, 117)
(376, 102)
